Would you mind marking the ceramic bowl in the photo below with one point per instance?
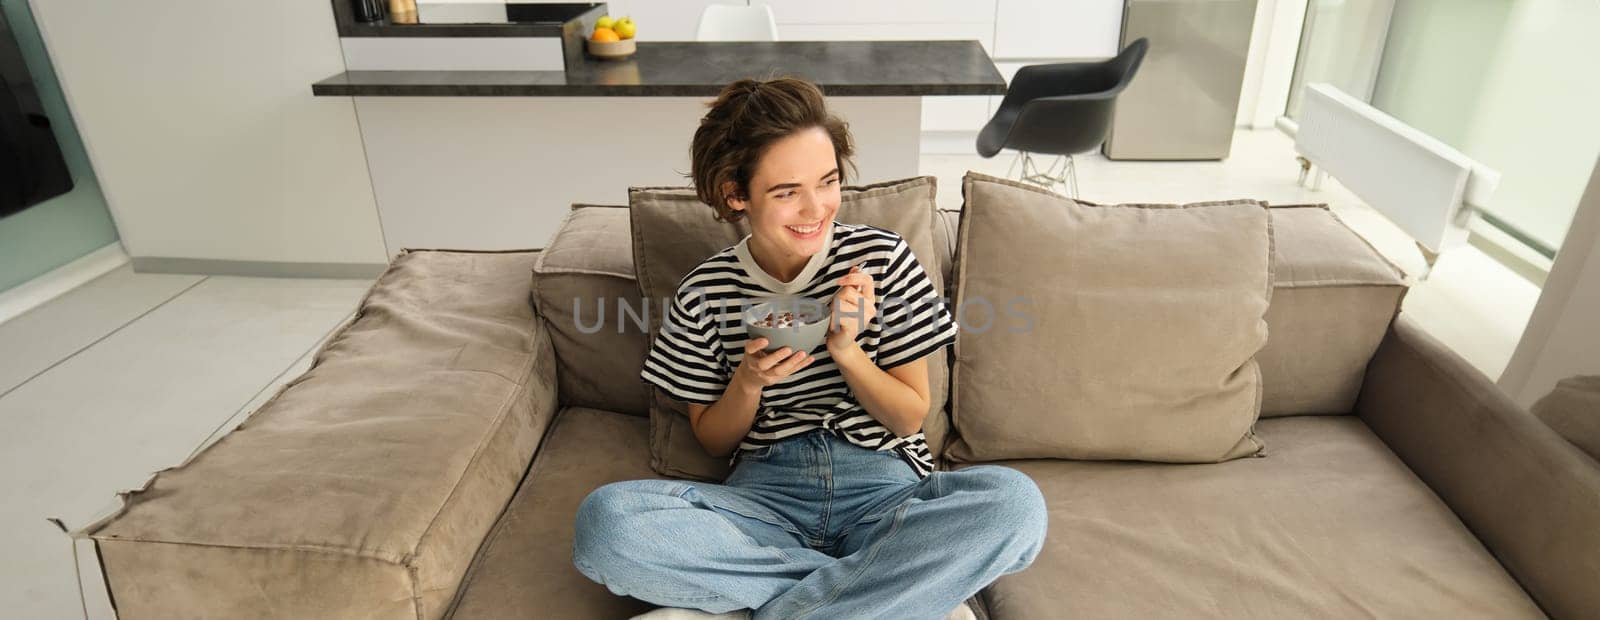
(806, 334)
(612, 49)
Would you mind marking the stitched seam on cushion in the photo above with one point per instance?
(1400, 273)
(416, 596)
(540, 335)
(959, 274)
(1255, 364)
(538, 265)
(396, 559)
(889, 188)
(1250, 431)
(588, 272)
(471, 251)
(1272, 270)
(110, 593)
(1341, 283)
(641, 269)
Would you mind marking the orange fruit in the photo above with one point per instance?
(604, 34)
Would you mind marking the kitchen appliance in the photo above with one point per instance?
(456, 12)
(368, 11)
(1184, 104)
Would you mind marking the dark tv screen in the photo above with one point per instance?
(31, 167)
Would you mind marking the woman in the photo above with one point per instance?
(832, 509)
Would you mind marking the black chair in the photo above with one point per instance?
(1059, 109)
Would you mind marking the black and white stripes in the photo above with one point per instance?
(702, 339)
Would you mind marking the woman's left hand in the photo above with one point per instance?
(854, 305)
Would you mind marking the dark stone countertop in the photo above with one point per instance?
(701, 69)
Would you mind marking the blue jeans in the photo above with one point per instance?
(812, 527)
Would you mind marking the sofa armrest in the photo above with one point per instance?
(364, 487)
(1531, 497)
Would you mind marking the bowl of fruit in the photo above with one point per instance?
(800, 323)
(612, 39)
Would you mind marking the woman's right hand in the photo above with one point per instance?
(760, 369)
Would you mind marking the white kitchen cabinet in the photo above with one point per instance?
(879, 11)
(982, 31)
(1075, 29)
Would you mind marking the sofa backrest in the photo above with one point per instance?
(584, 287)
(1333, 299)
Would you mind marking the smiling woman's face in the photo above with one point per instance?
(794, 195)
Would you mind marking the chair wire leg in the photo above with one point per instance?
(1072, 173)
(1013, 165)
(1054, 178)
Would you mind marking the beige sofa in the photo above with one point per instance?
(431, 462)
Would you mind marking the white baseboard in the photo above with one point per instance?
(34, 293)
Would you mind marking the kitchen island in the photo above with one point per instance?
(494, 159)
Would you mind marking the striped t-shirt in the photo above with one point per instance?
(702, 338)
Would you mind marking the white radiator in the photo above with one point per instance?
(1424, 186)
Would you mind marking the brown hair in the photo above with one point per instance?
(746, 118)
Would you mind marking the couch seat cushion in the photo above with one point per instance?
(525, 567)
(1331, 524)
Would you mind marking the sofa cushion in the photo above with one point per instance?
(1107, 332)
(1573, 410)
(1333, 293)
(673, 232)
(945, 227)
(583, 282)
(1332, 525)
(364, 487)
(525, 569)
(1333, 299)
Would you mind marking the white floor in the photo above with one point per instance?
(132, 373)
(125, 376)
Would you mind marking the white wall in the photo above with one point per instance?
(1013, 32)
(1563, 336)
(198, 115)
(199, 120)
